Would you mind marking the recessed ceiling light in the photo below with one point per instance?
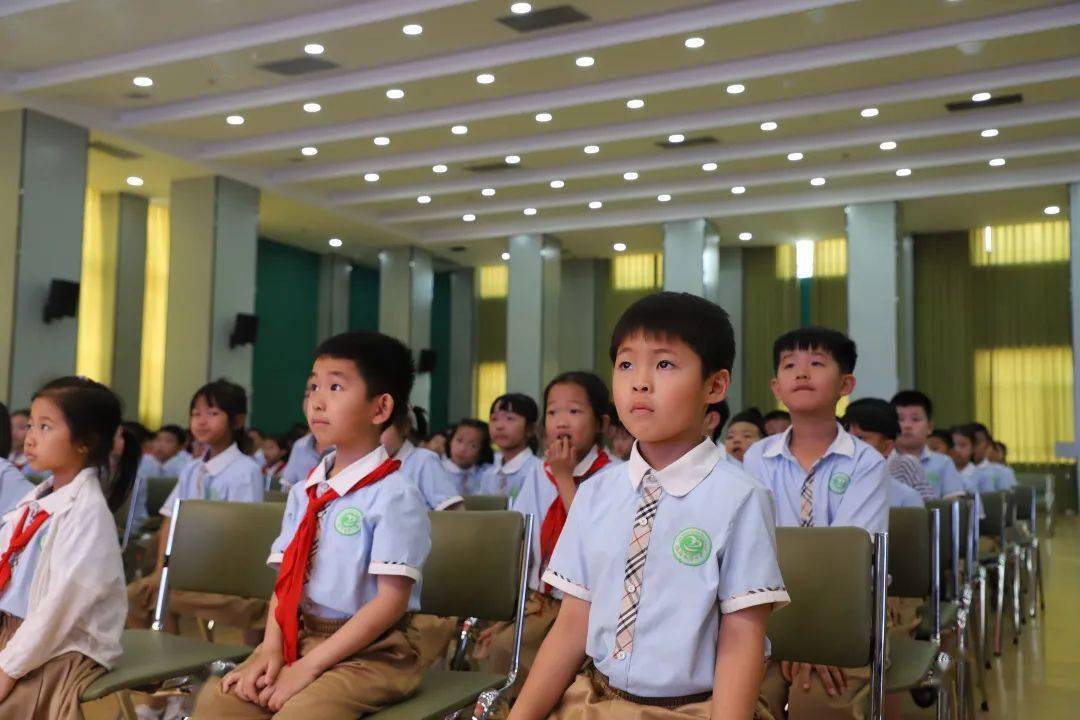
(903, 172)
(736, 89)
(521, 8)
(888, 145)
(663, 197)
(371, 177)
(1051, 210)
(412, 29)
(529, 211)
(135, 181)
(738, 190)
(309, 151)
(485, 78)
(438, 169)
(585, 61)
(818, 181)
(795, 156)
(592, 149)
(595, 205)
(869, 112)
(487, 192)
(543, 117)
(676, 138)
(468, 217)
(335, 242)
(423, 199)
(635, 104)
(630, 175)
(395, 93)
(143, 81)
(312, 107)
(381, 140)
(709, 167)
(505, 256)
(619, 247)
(989, 133)
(980, 97)
(460, 129)
(744, 236)
(997, 162)
(557, 184)
(235, 119)
(694, 42)
(769, 126)
(314, 49)
(512, 159)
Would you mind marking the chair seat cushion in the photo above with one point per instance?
(151, 657)
(441, 692)
(909, 662)
(948, 619)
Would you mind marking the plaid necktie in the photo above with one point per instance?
(806, 511)
(635, 565)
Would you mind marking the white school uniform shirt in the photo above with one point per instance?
(994, 476)
(176, 464)
(941, 473)
(1005, 476)
(232, 476)
(382, 529)
(712, 551)
(427, 472)
(302, 458)
(259, 457)
(506, 478)
(68, 583)
(467, 482)
(536, 496)
(850, 482)
(903, 495)
(13, 485)
(149, 466)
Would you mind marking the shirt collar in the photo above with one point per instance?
(509, 468)
(586, 462)
(925, 454)
(984, 464)
(451, 467)
(44, 498)
(681, 476)
(347, 476)
(842, 444)
(215, 465)
(405, 451)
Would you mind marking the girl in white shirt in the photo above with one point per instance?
(468, 455)
(62, 603)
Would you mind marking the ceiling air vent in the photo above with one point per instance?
(137, 95)
(298, 66)
(544, 19)
(490, 167)
(117, 152)
(992, 102)
(688, 142)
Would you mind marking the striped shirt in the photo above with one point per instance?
(908, 470)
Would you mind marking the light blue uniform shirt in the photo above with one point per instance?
(149, 466)
(506, 478)
(903, 495)
(993, 476)
(942, 474)
(13, 486)
(851, 487)
(15, 599)
(176, 464)
(426, 471)
(382, 529)
(232, 476)
(172, 467)
(302, 458)
(712, 551)
(466, 482)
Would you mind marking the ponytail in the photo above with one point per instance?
(121, 482)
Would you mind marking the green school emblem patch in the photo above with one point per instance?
(839, 482)
(348, 521)
(934, 478)
(692, 546)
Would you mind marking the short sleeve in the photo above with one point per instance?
(180, 491)
(247, 486)
(749, 570)
(435, 484)
(951, 482)
(866, 501)
(569, 568)
(295, 506)
(401, 538)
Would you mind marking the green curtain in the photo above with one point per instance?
(363, 298)
(491, 330)
(441, 328)
(828, 302)
(770, 308)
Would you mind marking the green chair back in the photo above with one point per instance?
(909, 562)
(157, 492)
(950, 545)
(275, 496)
(996, 505)
(1025, 498)
(486, 503)
(221, 547)
(828, 573)
(474, 569)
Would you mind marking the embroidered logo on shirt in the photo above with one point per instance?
(348, 521)
(692, 546)
(933, 477)
(839, 482)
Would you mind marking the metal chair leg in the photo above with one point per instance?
(1032, 589)
(1039, 574)
(1000, 609)
(1016, 594)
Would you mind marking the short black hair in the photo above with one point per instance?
(834, 342)
(701, 324)
(967, 430)
(776, 415)
(750, 415)
(944, 436)
(980, 428)
(523, 405)
(25, 412)
(138, 430)
(724, 411)
(384, 363)
(914, 398)
(596, 391)
(176, 431)
(873, 415)
(486, 456)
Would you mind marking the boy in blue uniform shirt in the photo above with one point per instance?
(916, 414)
(821, 477)
(655, 551)
(353, 540)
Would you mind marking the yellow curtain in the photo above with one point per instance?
(97, 295)
(490, 384)
(1025, 244)
(155, 302)
(492, 281)
(642, 271)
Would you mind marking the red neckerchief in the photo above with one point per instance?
(555, 518)
(20, 538)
